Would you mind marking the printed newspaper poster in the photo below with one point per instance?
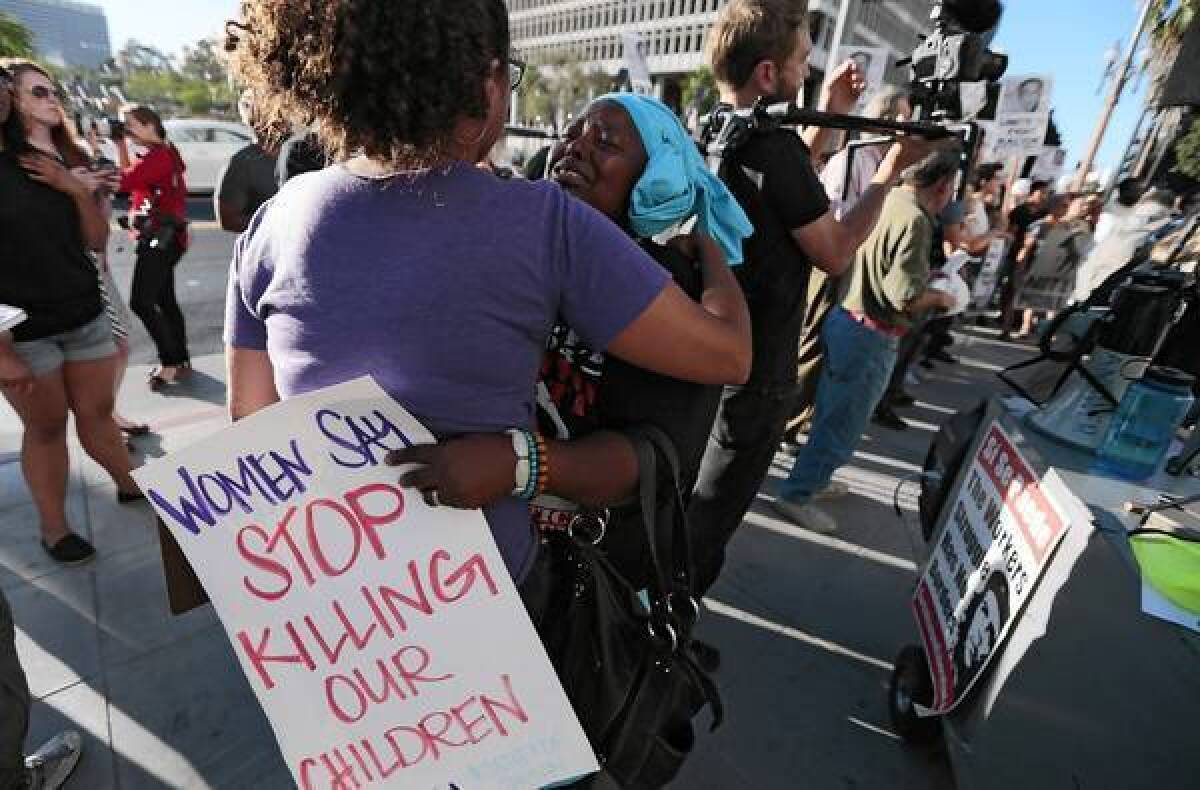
(1022, 116)
(385, 639)
(1002, 530)
(872, 65)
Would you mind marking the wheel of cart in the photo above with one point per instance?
(912, 684)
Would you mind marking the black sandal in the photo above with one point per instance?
(133, 428)
(158, 382)
(70, 550)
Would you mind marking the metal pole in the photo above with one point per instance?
(1124, 171)
(1114, 97)
(1152, 137)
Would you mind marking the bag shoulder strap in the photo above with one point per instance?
(669, 544)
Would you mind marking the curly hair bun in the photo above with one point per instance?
(387, 78)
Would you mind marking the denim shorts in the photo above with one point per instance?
(92, 341)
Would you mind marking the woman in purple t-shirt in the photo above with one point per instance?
(406, 262)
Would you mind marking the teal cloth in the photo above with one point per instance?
(676, 184)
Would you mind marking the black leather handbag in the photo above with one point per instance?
(621, 650)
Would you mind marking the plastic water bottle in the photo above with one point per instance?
(1145, 423)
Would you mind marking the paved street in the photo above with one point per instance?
(809, 624)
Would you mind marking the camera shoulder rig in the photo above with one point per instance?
(726, 129)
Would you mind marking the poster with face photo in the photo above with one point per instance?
(1003, 526)
(872, 63)
(1023, 115)
(1026, 95)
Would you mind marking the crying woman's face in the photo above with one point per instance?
(600, 159)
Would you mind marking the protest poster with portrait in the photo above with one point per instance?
(384, 639)
(872, 64)
(989, 274)
(1003, 527)
(1050, 164)
(1023, 115)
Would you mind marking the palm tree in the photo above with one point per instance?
(1171, 19)
(15, 39)
(1169, 23)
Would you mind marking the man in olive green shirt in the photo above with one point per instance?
(888, 293)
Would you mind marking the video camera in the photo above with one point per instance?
(956, 52)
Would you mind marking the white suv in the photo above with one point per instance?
(206, 146)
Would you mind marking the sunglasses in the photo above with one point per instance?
(42, 92)
(516, 73)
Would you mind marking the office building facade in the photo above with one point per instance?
(673, 33)
(65, 33)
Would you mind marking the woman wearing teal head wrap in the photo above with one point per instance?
(630, 159)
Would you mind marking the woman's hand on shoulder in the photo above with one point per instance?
(468, 472)
(44, 170)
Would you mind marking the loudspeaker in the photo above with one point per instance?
(1182, 87)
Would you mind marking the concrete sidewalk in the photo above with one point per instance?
(807, 623)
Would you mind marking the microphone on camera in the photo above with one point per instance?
(975, 16)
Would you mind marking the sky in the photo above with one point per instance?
(1063, 38)
(1068, 39)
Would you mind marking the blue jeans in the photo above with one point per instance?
(858, 365)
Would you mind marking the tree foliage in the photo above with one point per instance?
(16, 40)
(199, 86)
(700, 90)
(1187, 153)
(138, 57)
(555, 89)
(1170, 20)
(204, 61)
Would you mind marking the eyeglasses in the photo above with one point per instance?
(516, 72)
(42, 92)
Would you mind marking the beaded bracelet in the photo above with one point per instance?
(542, 479)
(535, 463)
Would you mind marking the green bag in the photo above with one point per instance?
(1171, 565)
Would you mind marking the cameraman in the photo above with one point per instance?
(158, 203)
(760, 48)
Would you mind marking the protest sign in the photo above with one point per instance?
(972, 98)
(989, 274)
(1003, 527)
(635, 63)
(1049, 165)
(1023, 116)
(872, 66)
(384, 638)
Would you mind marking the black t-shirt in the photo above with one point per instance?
(584, 391)
(46, 270)
(772, 177)
(1021, 218)
(247, 181)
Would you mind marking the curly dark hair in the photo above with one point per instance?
(387, 78)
